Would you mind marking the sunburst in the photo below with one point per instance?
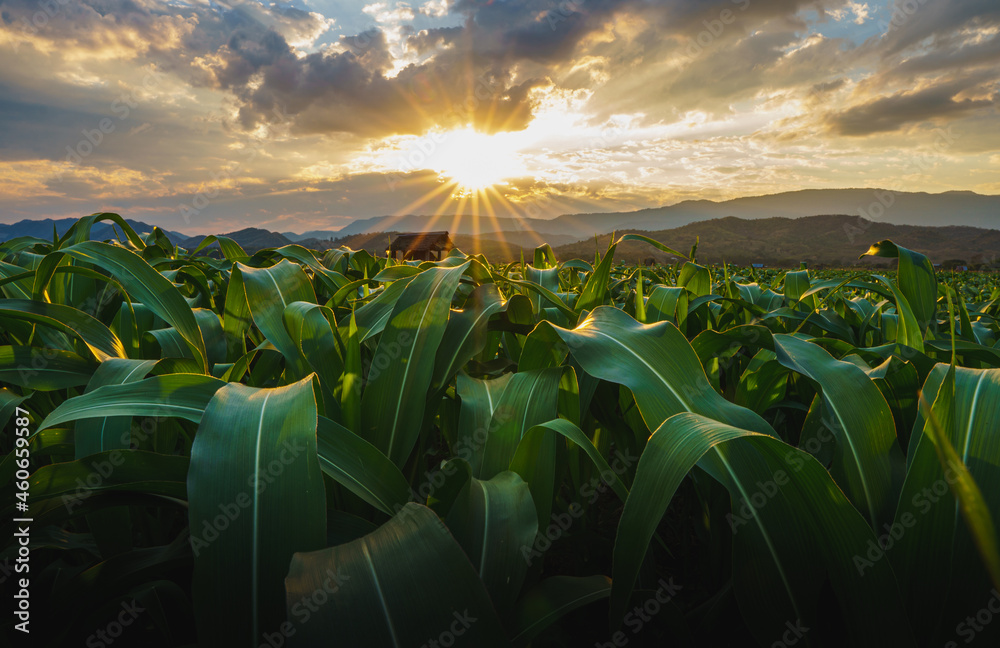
(474, 161)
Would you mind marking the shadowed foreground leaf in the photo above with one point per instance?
(404, 585)
(256, 496)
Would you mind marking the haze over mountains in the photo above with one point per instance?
(103, 230)
(785, 242)
(898, 208)
(820, 226)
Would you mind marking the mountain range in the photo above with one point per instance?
(252, 238)
(820, 226)
(817, 240)
(100, 231)
(881, 205)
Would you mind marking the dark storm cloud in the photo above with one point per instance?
(891, 113)
(545, 32)
(244, 50)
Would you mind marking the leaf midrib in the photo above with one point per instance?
(104, 422)
(968, 436)
(409, 360)
(649, 366)
(255, 588)
(763, 530)
(378, 590)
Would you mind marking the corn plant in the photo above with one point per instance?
(301, 448)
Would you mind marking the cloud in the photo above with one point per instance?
(829, 86)
(912, 22)
(717, 95)
(894, 112)
(977, 50)
(860, 11)
(481, 72)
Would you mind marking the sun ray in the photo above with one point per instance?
(488, 205)
(471, 165)
(512, 209)
(424, 199)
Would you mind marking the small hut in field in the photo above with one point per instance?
(420, 246)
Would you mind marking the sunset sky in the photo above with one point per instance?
(211, 116)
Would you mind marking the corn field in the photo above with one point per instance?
(293, 448)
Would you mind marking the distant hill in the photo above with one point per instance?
(785, 216)
(829, 240)
(250, 239)
(785, 242)
(898, 208)
(312, 234)
(495, 249)
(464, 224)
(100, 231)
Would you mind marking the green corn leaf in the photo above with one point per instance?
(657, 363)
(595, 291)
(466, 333)
(409, 580)
(908, 330)
(70, 484)
(793, 529)
(269, 291)
(916, 280)
(553, 598)
(43, 369)
(96, 336)
(107, 433)
(311, 328)
(350, 384)
(360, 467)
(494, 522)
(231, 250)
(529, 398)
(256, 497)
(392, 405)
(866, 455)
(935, 556)
(479, 400)
(181, 395)
(654, 243)
(667, 304)
(147, 286)
(535, 462)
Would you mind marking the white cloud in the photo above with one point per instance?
(435, 8)
(860, 11)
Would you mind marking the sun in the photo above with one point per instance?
(472, 160)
